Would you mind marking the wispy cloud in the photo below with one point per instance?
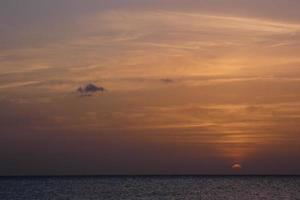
(18, 84)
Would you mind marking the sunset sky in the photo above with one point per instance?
(191, 87)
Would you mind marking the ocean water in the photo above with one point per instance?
(151, 187)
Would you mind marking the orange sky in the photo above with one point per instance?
(191, 88)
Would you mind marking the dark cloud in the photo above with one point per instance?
(90, 89)
(167, 80)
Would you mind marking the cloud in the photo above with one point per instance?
(167, 80)
(18, 84)
(90, 89)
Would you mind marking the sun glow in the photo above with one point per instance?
(236, 167)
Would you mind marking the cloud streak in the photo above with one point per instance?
(18, 84)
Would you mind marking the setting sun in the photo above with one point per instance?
(236, 167)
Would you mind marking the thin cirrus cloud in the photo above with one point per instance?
(195, 44)
(18, 84)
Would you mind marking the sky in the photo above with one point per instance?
(184, 87)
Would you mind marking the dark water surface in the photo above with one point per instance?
(151, 187)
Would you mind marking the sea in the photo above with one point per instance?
(151, 188)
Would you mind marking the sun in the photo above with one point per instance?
(236, 167)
